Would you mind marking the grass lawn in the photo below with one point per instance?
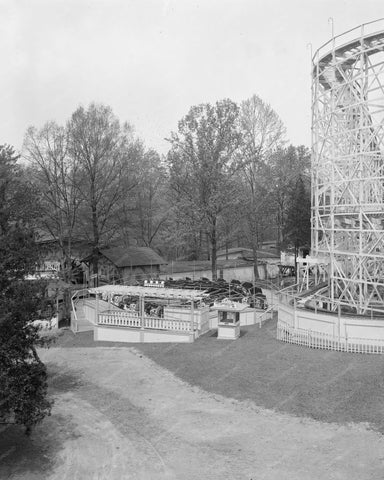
(323, 385)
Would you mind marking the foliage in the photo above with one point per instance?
(287, 165)
(145, 207)
(297, 227)
(226, 181)
(55, 174)
(100, 146)
(263, 133)
(23, 377)
(202, 163)
(18, 196)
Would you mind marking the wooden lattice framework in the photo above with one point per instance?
(348, 165)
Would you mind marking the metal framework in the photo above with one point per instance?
(348, 165)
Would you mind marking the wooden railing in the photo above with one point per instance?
(130, 319)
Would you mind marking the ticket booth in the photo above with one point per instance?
(228, 326)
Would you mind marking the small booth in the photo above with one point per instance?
(228, 326)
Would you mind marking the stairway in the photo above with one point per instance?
(82, 324)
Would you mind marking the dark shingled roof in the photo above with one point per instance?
(132, 256)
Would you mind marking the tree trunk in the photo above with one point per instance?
(255, 261)
(255, 244)
(214, 251)
(95, 228)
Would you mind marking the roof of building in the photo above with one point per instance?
(231, 251)
(131, 256)
(247, 253)
(43, 236)
(262, 254)
(203, 265)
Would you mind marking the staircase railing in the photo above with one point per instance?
(76, 297)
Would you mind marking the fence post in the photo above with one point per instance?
(192, 315)
(97, 309)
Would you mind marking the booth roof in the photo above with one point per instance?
(152, 292)
(230, 307)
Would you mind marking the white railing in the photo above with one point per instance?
(167, 324)
(325, 341)
(74, 300)
(126, 319)
(348, 36)
(119, 319)
(266, 315)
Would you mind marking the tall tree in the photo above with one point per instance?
(263, 132)
(145, 207)
(99, 144)
(202, 163)
(23, 377)
(56, 175)
(286, 165)
(297, 226)
(151, 205)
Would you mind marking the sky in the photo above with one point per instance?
(151, 60)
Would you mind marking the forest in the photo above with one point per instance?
(229, 179)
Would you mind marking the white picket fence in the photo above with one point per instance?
(326, 341)
(128, 319)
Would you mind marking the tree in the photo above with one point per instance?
(23, 377)
(18, 196)
(56, 174)
(297, 227)
(263, 133)
(100, 147)
(286, 164)
(151, 205)
(202, 162)
(145, 209)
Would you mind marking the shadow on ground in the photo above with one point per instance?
(61, 380)
(34, 457)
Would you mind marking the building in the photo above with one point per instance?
(125, 264)
(52, 256)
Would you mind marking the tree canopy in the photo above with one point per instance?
(202, 163)
(225, 182)
(23, 377)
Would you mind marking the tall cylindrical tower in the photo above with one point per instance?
(348, 165)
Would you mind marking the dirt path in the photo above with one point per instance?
(124, 417)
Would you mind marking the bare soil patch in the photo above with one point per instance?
(322, 385)
(119, 415)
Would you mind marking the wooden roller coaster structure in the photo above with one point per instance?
(348, 166)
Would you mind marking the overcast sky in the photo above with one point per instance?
(151, 60)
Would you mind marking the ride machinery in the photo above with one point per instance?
(348, 166)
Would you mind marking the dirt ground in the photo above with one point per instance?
(118, 415)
